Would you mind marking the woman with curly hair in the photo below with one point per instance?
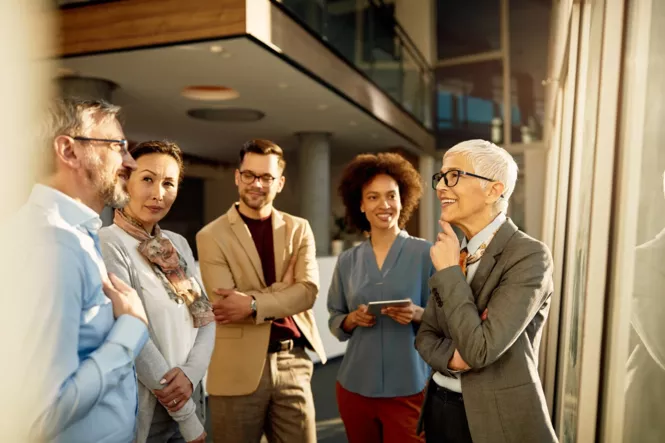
(382, 377)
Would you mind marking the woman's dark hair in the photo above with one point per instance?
(362, 170)
(160, 147)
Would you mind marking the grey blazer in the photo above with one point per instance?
(503, 396)
(150, 364)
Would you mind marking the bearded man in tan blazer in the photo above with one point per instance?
(259, 265)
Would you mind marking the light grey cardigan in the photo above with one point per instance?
(150, 364)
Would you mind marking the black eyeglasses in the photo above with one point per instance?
(122, 142)
(450, 178)
(248, 177)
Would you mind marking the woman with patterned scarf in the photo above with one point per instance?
(160, 266)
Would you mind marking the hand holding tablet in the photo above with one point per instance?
(375, 307)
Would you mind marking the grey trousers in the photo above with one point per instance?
(282, 406)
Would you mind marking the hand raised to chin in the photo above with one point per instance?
(446, 251)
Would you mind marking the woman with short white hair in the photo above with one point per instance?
(490, 296)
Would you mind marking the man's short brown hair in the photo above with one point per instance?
(263, 147)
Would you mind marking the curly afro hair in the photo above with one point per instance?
(362, 170)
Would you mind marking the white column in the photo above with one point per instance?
(535, 169)
(418, 18)
(314, 167)
(428, 216)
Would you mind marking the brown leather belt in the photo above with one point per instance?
(286, 345)
(280, 346)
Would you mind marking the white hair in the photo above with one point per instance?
(491, 161)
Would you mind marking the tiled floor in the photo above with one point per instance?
(329, 426)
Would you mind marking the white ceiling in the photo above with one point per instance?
(150, 81)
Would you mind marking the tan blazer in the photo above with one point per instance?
(229, 260)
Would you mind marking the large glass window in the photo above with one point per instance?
(643, 362)
(529, 36)
(367, 35)
(467, 28)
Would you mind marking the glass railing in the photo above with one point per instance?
(370, 38)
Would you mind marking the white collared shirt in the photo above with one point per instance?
(455, 384)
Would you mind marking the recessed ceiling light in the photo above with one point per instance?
(226, 114)
(282, 85)
(352, 123)
(209, 92)
(216, 49)
(322, 107)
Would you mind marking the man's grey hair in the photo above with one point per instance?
(66, 116)
(491, 161)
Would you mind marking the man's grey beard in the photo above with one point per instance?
(109, 190)
(114, 196)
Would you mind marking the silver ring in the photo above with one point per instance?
(175, 402)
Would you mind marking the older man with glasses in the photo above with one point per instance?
(490, 296)
(91, 325)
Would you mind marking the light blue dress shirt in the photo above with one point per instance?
(93, 389)
(381, 361)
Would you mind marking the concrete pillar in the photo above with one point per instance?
(535, 170)
(428, 216)
(315, 204)
(89, 89)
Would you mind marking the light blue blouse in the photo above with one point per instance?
(381, 361)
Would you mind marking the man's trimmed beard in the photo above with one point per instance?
(257, 204)
(109, 188)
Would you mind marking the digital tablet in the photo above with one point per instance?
(375, 307)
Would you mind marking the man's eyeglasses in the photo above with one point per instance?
(450, 178)
(122, 142)
(248, 177)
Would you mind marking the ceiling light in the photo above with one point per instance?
(322, 107)
(226, 114)
(209, 93)
(216, 49)
(282, 85)
(352, 123)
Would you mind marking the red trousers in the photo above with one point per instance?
(379, 420)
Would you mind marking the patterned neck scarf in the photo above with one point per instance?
(466, 259)
(170, 267)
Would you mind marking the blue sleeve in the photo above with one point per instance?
(80, 384)
(337, 306)
(427, 271)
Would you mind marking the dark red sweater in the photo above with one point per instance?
(261, 230)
